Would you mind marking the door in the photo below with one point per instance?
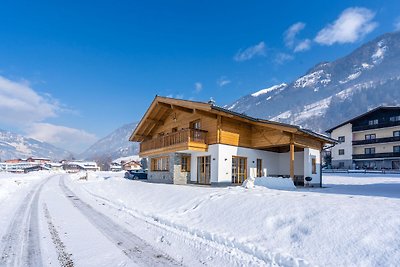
(239, 169)
(259, 168)
(203, 170)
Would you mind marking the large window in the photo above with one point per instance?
(395, 118)
(259, 168)
(185, 164)
(314, 166)
(373, 122)
(160, 164)
(341, 139)
(341, 151)
(369, 150)
(396, 149)
(370, 136)
(396, 133)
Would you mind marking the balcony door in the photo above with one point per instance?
(203, 170)
(239, 169)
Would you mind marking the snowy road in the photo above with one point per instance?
(52, 223)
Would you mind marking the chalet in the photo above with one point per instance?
(131, 165)
(368, 141)
(197, 142)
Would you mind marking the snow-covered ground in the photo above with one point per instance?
(111, 221)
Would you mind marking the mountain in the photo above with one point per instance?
(14, 145)
(114, 145)
(332, 92)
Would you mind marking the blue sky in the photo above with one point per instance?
(71, 72)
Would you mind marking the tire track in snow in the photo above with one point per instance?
(21, 243)
(63, 257)
(138, 250)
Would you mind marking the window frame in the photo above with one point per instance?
(370, 149)
(370, 135)
(341, 150)
(313, 166)
(394, 149)
(373, 122)
(342, 138)
(185, 163)
(159, 164)
(398, 133)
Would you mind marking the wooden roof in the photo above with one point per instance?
(162, 107)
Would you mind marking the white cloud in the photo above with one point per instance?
(20, 104)
(303, 46)
(290, 34)
(281, 58)
(222, 81)
(72, 139)
(198, 86)
(251, 52)
(352, 24)
(397, 24)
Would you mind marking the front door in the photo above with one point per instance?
(259, 168)
(203, 170)
(239, 169)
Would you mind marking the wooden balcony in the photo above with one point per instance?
(183, 140)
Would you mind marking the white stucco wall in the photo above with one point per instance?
(308, 155)
(272, 163)
(346, 131)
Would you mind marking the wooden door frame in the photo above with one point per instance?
(209, 170)
(237, 168)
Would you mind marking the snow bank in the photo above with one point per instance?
(353, 222)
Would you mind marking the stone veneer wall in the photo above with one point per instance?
(174, 175)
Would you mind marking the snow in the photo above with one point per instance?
(351, 77)
(312, 79)
(270, 89)
(352, 221)
(127, 159)
(379, 54)
(269, 182)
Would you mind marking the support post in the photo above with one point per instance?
(292, 159)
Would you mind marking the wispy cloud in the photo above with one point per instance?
(25, 109)
(302, 46)
(352, 24)
(198, 86)
(73, 139)
(282, 58)
(251, 52)
(222, 81)
(397, 24)
(20, 104)
(291, 33)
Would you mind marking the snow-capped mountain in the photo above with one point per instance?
(14, 145)
(114, 145)
(332, 92)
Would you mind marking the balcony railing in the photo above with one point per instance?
(377, 140)
(376, 155)
(376, 126)
(174, 138)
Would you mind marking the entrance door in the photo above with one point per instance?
(203, 170)
(239, 169)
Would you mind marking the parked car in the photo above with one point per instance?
(136, 174)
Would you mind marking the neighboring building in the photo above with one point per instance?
(38, 160)
(188, 141)
(76, 166)
(131, 165)
(115, 167)
(369, 141)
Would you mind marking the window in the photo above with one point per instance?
(341, 138)
(396, 149)
(185, 164)
(341, 165)
(370, 136)
(195, 125)
(175, 129)
(369, 150)
(395, 118)
(259, 168)
(341, 151)
(314, 166)
(373, 122)
(396, 133)
(160, 164)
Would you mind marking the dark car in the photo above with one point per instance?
(136, 174)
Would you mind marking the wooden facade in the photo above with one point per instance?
(167, 126)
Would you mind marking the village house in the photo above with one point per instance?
(197, 142)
